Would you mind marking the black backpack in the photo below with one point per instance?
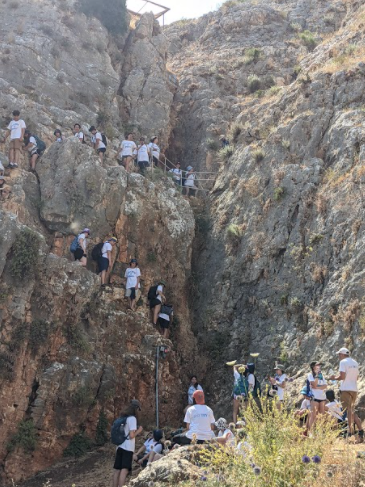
(41, 146)
(152, 293)
(104, 139)
(96, 252)
(167, 309)
(117, 434)
(257, 388)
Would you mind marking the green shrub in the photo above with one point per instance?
(83, 396)
(102, 435)
(76, 338)
(308, 40)
(65, 43)
(252, 55)
(253, 83)
(234, 233)
(274, 90)
(235, 131)
(111, 13)
(315, 238)
(78, 446)
(225, 153)
(258, 155)
(25, 437)
(151, 257)
(18, 336)
(25, 254)
(278, 193)
(212, 145)
(38, 334)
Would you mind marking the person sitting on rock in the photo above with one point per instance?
(156, 301)
(127, 148)
(225, 434)
(155, 150)
(165, 317)
(16, 129)
(30, 144)
(151, 447)
(303, 412)
(177, 174)
(143, 155)
(97, 142)
(199, 421)
(80, 252)
(189, 182)
(104, 262)
(132, 285)
(58, 134)
(78, 133)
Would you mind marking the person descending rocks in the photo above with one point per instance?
(348, 375)
(151, 447)
(79, 246)
(78, 133)
(16, 129)
(199, 420)
(318, 386)
(279, 381)
(189, 183)
(156, 297)
(97, 142)
(30, 145)
(155, 150)
(225, 435)
(132, 285)
(143, 155)
(58, 135)
(125, 430)
(104, 260)
(193, 386)
(165, 317)
(177, 174)
(127, 149)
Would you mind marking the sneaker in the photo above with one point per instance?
(361, 436)
(11, 165)
(14, 165)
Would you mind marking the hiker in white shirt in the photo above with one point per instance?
(97, 142)
(80, 253)
(16, 129)
(127, 149)
(279, 383)
(304, 411)
(58, 134)
(318, 386)
(348, 375)
(30, 145)
(189, 183)
(105, 261)
(225, 435)
(194, 386)
(177, 174)
(143, 155)
(155, 150)
(132, 285)
(78, 133)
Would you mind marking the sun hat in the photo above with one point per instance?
(136, 404)
(306, 392)
(343, 351)
(86, 230)
(221, 424)
(189, 168)
(279, 367)
(113, 239)
(199, 397)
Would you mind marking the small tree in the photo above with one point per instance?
(111, 13)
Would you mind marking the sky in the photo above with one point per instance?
(180, 9)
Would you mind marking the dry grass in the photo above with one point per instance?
(318, 273)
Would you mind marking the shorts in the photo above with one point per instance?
(79, 254)
(128, 293)
(319, 400)
(184, 440)
(154, 302)
(348, 399)
(155, 161)
(163, 323)
(34, 151)
(103, 264)
(143, 164)
(123, 460)
(15, 144)
(102, 150)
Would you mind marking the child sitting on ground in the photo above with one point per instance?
(334, 408)
(151, 446)
(305, 407)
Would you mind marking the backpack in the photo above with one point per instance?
(96, 252)
(41, 146)
(117, 434)
(104, 139)
(152, 293)
(74, 244)
(257, 388)
(241, 386)
(167, 309)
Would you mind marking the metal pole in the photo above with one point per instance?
(157, 358)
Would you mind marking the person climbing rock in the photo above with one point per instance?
(143, 155)
(177, 174)
(80, 253)
(78, 133)
(16, 129)
(348, 375)
(189, 183)
(155, 150)
(148, 450)
(279, 381)
(165, 317)
(127, 148)
(105, 260)
(193, 386)
(97, 142)
(199, 421)
(58, 134)
(125, 451)
(156, 297)
(132, 285)
(30, 145)
(318, 386)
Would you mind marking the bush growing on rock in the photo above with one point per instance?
(212, 145)
(226, 153)
(308, 40)
(25, 254)
(111, 13)
(253, 83)
(78, 446)
(25, 437)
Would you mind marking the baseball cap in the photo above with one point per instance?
(199, 397)
(86, 230)
(279, 367)
(113, 239)
(133, 261)
(343, 351)
(136, 404)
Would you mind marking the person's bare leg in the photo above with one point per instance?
(156, 311)
(116, 475)
(123, 477)
(313, 415)
(357, 421)
(11, 155)
(16, 156)
(133, 304)
(103, 273)
(236, 407)
(166, 333)
(33, 161)
(83, 261)
(101, 157)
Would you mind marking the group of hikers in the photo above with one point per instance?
(132, 156)
(201, 426)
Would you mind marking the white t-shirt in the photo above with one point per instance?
(306, 404)
(107, 247)
(142, 153)
(191, 391)
(176, 173)
(280, 379)
(131, 425)
(131, 275)
(334, 409)
(127, 148)
(318, 393)
(351, 369)
(153, 445)
(15, 127)
(200, 417)
(231, 440)
(189, 181)
(98, 137)
(164, 316)
(159, 288)
(155, 150)
(80, 135)
(32, 141)
(83, 244)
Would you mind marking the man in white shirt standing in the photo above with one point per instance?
(348, 375)
(127, 149)
(105, 261)
(279, 381)
(132, 285)
(177, 174)
(97, 142)
(16, 129)
(143, 155)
